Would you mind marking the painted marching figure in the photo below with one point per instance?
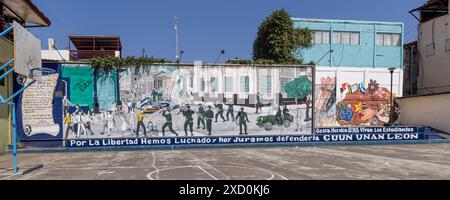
(258, 103)
(278, 116)
(189, 123)
(132, 120)
(140, 123)
(230, 111)
(201, 117)
(68, 121)
(76, 121)
(220, 111)
(104, 120)
(125, 127)
(87, 118)
(110, 122)
(209, 118)
(66, 104)
(166, 114)
(286, 112)
(243, 119)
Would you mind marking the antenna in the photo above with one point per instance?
(177, 55)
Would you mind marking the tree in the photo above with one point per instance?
(277, 39)
(300, 88)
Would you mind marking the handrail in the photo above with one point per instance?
(9, 29)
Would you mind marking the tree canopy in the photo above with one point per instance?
(277, 39)
(299, 88)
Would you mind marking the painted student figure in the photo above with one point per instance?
(166, 114)
(201, 117)
(243, 119)
(220, 111)
(132, 120)
(86, 120)
(189, 123)
(105, 122)
(140, 123)
(68, 121)
(110, 122)
(76, 121)
(230, 111)
(66, 104)
(209, 118)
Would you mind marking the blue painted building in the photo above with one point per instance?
(349, 43)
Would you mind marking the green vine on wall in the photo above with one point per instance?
(111, 62)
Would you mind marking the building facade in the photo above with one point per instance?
(353, 83)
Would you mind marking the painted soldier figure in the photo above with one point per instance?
(209, 118)
(278, 116)
(285, 112)
(258, 103)
(189, 123)
(219, 111)
(230, 111)
(201, 117)
(166, 114)
(243, 119)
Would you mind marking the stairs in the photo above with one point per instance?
(433, 134)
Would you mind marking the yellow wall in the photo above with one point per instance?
(6, 53)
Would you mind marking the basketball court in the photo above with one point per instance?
(398, 162)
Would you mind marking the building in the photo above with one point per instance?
(91, 46)
(353, 83)
(411, 71)
(26, 13)
(434, 47)
(430, 105)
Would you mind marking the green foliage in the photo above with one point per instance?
(260, 121)
(300, 88)
(277, 39)
(108, 63)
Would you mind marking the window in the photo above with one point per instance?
(265, 84)
(214, 84)
(202, 85)
(321, 37)
(346, 38)
(388, 39)
(283, 82)
(228, 84)
(245, 84)
(355, 39)
(191, 82)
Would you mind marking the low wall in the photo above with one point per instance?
(431, 110)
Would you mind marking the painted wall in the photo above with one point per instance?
(6, 53)
(430, 110)
(434, 48)
(39, 108)
(354, 96)
(366, 54)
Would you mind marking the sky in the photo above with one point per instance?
(205, 26)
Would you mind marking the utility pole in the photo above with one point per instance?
(177, 55)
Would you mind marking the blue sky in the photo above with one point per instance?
(206, 26)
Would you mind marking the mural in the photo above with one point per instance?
(162, 101)
(326, 102)
(363, 106)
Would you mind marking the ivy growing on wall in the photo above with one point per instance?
(111, 62)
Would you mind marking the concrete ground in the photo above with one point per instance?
(324, 163)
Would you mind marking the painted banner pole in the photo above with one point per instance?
(313, 106)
